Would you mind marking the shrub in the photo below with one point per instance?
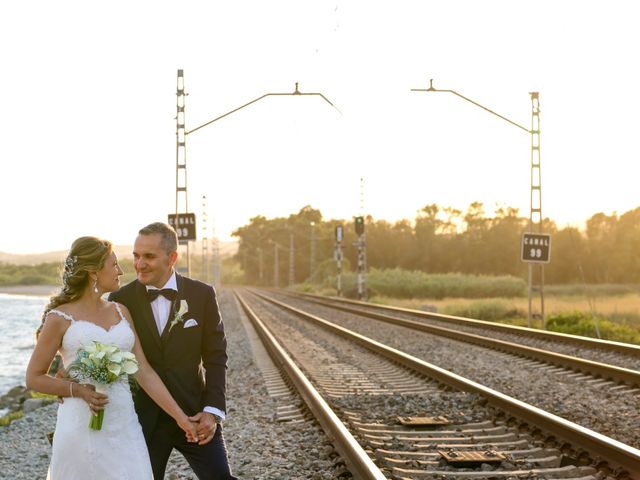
(597, 290)
(582, 323)
(231, 273)
(630, 319)
(9, 417)
(52, 398)
(484, 310)
(32, 279)
(41, 274)
(304, 288)
(400, 283)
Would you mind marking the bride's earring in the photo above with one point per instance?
(95, 286)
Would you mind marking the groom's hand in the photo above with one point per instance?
(206, 426)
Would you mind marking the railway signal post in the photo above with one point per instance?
(362, 264)
(338, 257)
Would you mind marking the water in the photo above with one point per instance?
(20, 316)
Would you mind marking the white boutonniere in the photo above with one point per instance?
(179, 315)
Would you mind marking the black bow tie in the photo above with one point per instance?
(168, 293)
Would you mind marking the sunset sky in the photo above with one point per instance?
(88, 129)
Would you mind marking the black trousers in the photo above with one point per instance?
(208, 462)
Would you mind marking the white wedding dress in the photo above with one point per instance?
(118, 450)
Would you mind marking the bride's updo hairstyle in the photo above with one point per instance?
(87, 254)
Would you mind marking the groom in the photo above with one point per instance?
(186, 346)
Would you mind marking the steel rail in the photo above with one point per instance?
(596, 343)
(616, 454)
(357, 460)
(608, 372)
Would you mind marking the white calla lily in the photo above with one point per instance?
(116, 357)
(130, 367)
(115, 368)
(178, 318)
(99, 354)
(184, 307)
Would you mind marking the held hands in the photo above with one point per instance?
(189, 428)
(97, 401)
(206, 426)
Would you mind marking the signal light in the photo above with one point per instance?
(359, 225)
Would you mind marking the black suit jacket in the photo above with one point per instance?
(191, 362)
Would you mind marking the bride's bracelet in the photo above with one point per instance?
(71, 389)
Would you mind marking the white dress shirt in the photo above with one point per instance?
(161, 308)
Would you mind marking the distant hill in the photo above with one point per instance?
(123, 251)
(31, 258)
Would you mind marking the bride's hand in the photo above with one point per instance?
(189, 428)
(97, 401)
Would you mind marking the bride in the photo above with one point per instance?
(76, 317)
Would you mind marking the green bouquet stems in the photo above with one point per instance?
(96, 420)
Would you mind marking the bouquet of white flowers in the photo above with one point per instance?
(101, 364)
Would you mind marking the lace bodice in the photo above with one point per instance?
(83, 332)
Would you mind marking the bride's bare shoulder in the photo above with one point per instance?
(123, 309)
(56, 320)
(59, 314)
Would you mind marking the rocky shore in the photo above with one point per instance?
(259, 446)
(20, 400)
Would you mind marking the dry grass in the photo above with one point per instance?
(620, 308)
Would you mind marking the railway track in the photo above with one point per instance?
(624, 380)
(396, 416)
(600, 404)
(603, 351)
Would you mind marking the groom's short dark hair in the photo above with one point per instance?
(169, 235)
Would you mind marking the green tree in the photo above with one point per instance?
(624, 257)
(502, 241)
(427, 229)
(601, 240)
(568, 251)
